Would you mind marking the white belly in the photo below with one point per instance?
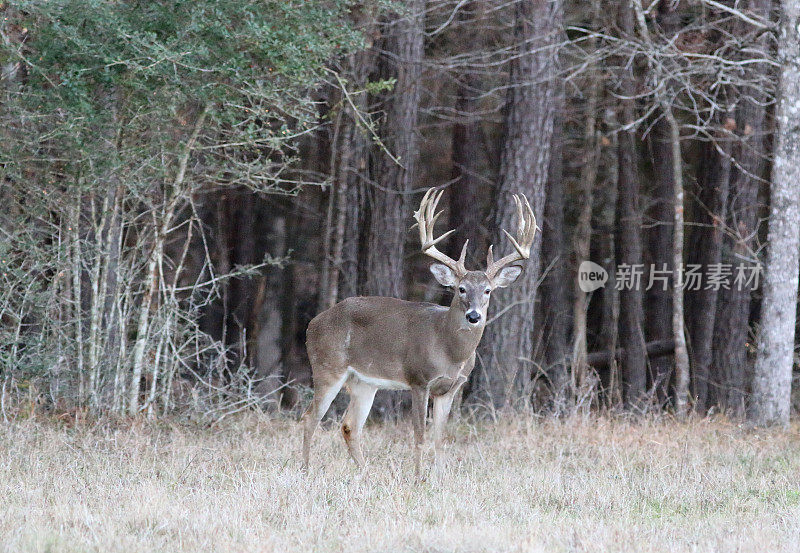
(382, 383)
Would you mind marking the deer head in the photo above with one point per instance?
(473, 289)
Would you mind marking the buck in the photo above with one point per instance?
(371, 343)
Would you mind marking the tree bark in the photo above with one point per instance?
(389, 207)
(582, 240)
(772, 377)
(341, 192)
(678, 330)
(466, 215)
(352, 255)
(111, 313)
(629, 242)
(142, 335)
(524, 167)
(351, 280)
(730, 368)
(659, 242)
(330, 204)
(267, 324)
(609, 317)
(353, 258)
(707, 251)
(554, 307)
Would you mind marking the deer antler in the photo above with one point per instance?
(426, 217)
(526, 231)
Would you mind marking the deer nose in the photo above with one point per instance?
(473, 316)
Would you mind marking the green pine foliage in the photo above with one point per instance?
(158, 100)
(136, 72)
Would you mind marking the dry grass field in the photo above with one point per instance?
(518, 485)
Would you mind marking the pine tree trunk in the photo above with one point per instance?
(731, 370)
(351, 257)
(629, 245)
(267, 325)
(629, 252)
(389, 206)
(659, 242)
(772, 377)
(554, 307)
(341, 192)
(659, 236)
(606, 225)
(707, 251)
(582, 240)
(465, 215)
(351, 271)
(351, 279)
(524, 167)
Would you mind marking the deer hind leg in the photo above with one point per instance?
(419, 411)
(361, 397)
(324, 394)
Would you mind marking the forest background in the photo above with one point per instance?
(184, 185)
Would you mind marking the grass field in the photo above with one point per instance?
(517, 485)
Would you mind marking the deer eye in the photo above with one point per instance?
(462, 290)
(487, 291)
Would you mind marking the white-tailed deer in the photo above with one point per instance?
(368, 343)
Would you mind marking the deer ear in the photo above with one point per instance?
(444, 275)
(507, 275)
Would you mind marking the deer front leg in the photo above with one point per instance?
(441, 410)
(419, 408)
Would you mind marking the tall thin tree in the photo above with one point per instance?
(773, 369)
(629, 239)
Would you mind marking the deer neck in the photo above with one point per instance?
(462, 338)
